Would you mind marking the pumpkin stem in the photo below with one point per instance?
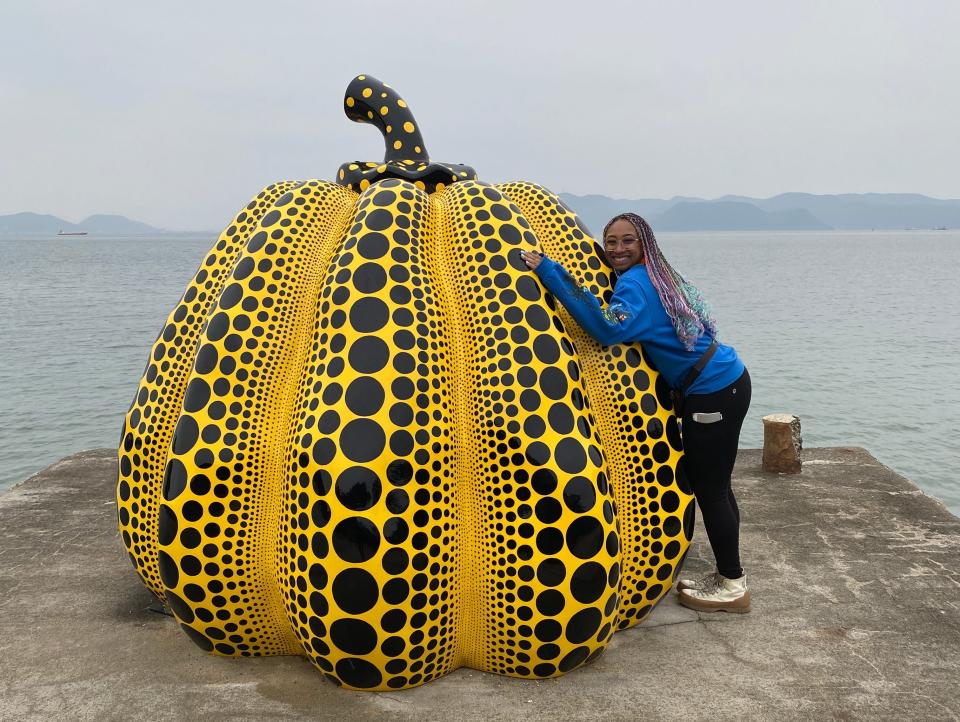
(368, 100)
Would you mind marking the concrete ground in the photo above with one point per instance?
(855, 576)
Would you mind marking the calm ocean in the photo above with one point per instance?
(858, 333)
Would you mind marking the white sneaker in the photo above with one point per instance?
(698, 583)
(722, 595)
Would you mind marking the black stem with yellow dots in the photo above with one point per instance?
(368, 100)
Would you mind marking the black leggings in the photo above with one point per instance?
(710, 451)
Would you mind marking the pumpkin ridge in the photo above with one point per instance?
(149, 422)
(617, 378)
(532, 550)
(229, 442)
(372, 559)
(470, 622)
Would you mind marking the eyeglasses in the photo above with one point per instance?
(627, 243)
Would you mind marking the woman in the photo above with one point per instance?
(654, 305)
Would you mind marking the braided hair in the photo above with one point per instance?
(683, 302)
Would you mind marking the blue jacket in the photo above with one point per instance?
(635, 313)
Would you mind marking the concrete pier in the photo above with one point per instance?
(855, 576)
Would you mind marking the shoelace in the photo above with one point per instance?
(711, 586)
(706, 581)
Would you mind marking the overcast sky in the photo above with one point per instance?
(175, 113)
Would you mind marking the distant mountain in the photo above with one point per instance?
(731, 216)
(871, 210)
(35, 224)
(788, 211)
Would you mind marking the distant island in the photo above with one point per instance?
(785, 212)
(36, 224)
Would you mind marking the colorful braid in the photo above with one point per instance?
(683, 302)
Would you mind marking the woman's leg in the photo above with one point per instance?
(710, 451)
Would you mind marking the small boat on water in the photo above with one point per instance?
(62, 232)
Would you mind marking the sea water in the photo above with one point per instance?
(858, 333)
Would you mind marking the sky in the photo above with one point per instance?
(176, 113)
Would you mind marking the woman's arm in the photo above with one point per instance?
(624, 318)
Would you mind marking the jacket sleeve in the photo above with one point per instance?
(624, 318)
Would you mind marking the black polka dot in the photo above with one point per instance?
(356, 539)
(355, 591)
(369, 278)
(399, 472)
(579, 494)
(358, 488)
(528, 288)
(179, 607)
(588, 582)
(174, 479)
(560, 418)
(378, 220)
(384, 198)
(324, 451)
(397, 501)
(538, 453)
(168, 525)
(186, 434)
(358, 673)
(392, 646)
(362, 440)
(660, 452)
(550, 602)
(548, 510)
(530, 400)
(364, 396)
(206, 359)
(353, 636)
(169, 572)
(670, 501)
(546, 349)
(395, 530)
(549, 541)
(509, 234)
(368, 354)
(231, 295)
(320, 513)
(395, 561)
(534, 427)
(551, 572)
(583, 625)
(544, 481)
(218, 326)
(244, 268)
(200, 640)
(584, 537)
(570, 456)
(537, 318)
(574, 659)
(395, 591)
(553, 383)
(401, 442)
(548, 630)
(256, 241)
(369, 314)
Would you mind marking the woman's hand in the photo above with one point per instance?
(531, 258)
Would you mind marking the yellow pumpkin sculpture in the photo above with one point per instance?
(367, 435)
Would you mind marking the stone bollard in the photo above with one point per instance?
(782, 443)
